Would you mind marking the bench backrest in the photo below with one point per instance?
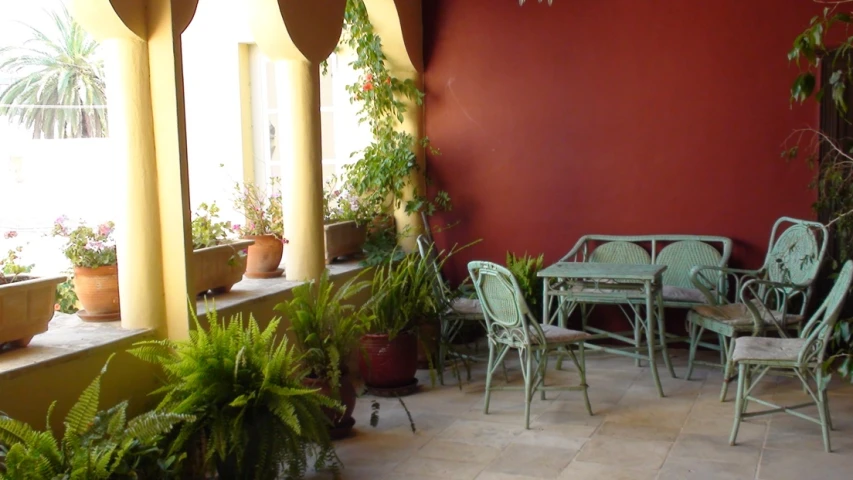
(679, 253)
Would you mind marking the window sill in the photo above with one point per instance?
(68, 338)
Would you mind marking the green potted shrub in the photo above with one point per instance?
(253, 418)
(218, 262)
(96, 445)
(92, 252)
(265, 225)
(26, 301)
(525, 269)
(327, 329)
(402, 299)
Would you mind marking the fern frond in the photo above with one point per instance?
(83, 412)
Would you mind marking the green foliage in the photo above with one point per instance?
(380, 247)
(206, 229)
(403, 295)
(387, 167)
(66, 297)
(262, 209)
(340, 203)
(10, 266)
(86, 246)
(525, 268)
(245, 390)
(96, 445)
(327, 328)
(60, 67)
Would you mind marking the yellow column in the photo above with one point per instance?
(138, 230)
(146, 115)
(298, 35)
(410, 226)
(304, 188)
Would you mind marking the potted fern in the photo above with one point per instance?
(96, 445)
(327, 329)
(218, 262)
(402, 300)
(525, 269)
(253, 418)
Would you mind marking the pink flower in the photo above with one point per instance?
(284, 241)
(104, 230)
(10, 234)
(95, 245)
(61, 220)
(235, 227)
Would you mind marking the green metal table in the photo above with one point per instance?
(636, 287)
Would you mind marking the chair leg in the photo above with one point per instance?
(489, 369)
(739, 403)
(581, 364)
(825, 422)
(662, 337)
(542, 367)
(695, 334)
(728, 369)
(526, 370)
(637, 337)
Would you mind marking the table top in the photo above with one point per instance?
(603, 271)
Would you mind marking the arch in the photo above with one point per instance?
(297, 29)
(400, 24)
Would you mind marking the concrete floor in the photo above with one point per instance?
(633, 435)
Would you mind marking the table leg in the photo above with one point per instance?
(650, 336)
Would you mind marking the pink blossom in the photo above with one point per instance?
(235, 227)
(10, 234)
(61, 220)
(105, 230)
(284, 241)
(95, 245)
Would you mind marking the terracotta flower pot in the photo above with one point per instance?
(218, 268)
(97, 289)
(342, 423)
(264, 256)
(342, 239)
(388, 364)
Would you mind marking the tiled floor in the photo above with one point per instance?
(633, 435)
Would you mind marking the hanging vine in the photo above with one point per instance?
(387, 167)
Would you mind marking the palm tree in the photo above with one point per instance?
(59, 87)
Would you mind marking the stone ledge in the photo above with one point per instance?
(251, 291)
(67, 338)
(70, 338)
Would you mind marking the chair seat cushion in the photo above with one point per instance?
(555, 334)
(680, 294)
(738, 314)
(767, 348)
(465, 306)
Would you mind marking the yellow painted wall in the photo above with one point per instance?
(26, 397)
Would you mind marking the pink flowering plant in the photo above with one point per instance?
(341, 204)
(262, 209)
(86, 246)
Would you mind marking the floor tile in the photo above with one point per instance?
(533, 461)
(597, 471)
(624, 452)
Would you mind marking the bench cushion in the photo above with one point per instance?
(679, 294)
(767, 348)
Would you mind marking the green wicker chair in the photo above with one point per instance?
(510, 325)
(755, 356)
(457, 310)
(775, 296)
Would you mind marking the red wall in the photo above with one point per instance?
(613, 117)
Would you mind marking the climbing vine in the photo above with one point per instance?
(387, 167)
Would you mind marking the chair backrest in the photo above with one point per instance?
(620, 252)
(818, 330)
(428, 252)
(795, 253)
(507, 315)
(680, 257)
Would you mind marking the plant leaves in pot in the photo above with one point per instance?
(327, 327)
(402, 299)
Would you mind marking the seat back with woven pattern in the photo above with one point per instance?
(680, 257)
(620, 252)
(819, 329)
(796, 250)
(507, 314)
(429, 253)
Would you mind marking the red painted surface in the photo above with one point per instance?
(613, 117)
